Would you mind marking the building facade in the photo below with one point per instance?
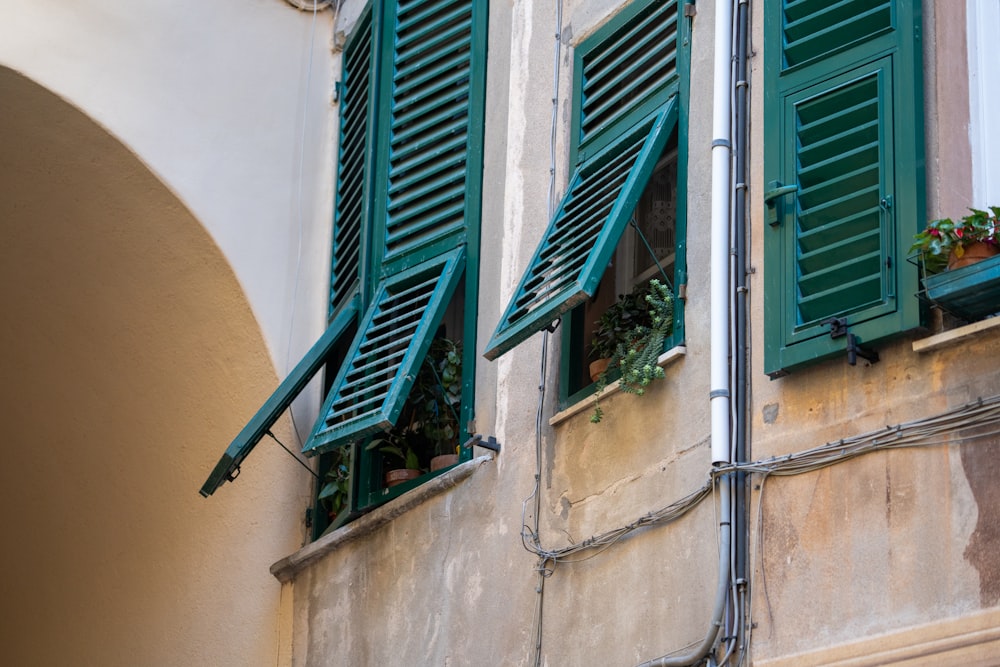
(800, 471)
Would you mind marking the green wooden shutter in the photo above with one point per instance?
(626, 69)
(228, 466)
(843, 174)
(431, 150)
(351, 212)
(584, 231)
(383, 360)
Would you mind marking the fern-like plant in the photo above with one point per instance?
(637, 349)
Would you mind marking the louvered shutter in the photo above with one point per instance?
(843, 165)
(583, 233)
(351, 211)
(382, 363)
(626, 70)
(428, 174)
(228, 466)
(430, 119)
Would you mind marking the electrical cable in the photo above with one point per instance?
(927, 431)
(533, 543)
(298, 199)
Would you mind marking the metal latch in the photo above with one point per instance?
(838, 329)
(774, 198)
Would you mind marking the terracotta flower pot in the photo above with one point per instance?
(443, 461)
(597, 367)
(394, 477)
(975, 252)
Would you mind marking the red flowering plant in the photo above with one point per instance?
(945, 236)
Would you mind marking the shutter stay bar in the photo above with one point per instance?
(838, 329)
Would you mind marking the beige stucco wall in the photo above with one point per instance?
(449, 582)
(893, 540)
(131, 357)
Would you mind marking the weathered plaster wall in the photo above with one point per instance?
(895, 539)
(449, 582)
(130, 358)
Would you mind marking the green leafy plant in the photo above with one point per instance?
(428, 424)
(436, 396)
(336, 483)
(942, 237)
(638, 346)
(615, 323)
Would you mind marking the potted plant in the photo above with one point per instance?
(639, 343)
(611, 327)
(947, 244)
(427, 432)
(436, 398)
(400, 445)
(961, 263)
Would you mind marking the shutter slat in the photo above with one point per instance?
(818, 28)
(839, 238)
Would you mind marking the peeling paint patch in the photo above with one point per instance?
(770, 413)
(982, 469)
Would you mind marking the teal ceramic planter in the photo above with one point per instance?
(972, 292)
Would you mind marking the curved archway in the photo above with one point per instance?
(131, 357)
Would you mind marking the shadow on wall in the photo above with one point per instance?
(130, 358)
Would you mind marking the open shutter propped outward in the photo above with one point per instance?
(584, 231)
(383, 360)
(228, 466)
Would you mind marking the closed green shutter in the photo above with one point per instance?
(382, 363)
(581, 238)
(426, 175)
(626, 69)
(351, 212)
(843, 174)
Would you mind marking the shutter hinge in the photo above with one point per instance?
(338, 89)
(489, 443)
(682, 291)
(690, 10)
(838, 329)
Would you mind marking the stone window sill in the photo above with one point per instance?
(586, 404)
(950, 337)
(288, 568)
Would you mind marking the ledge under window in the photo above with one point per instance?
(288, 568)
(950, 337)
(585, 404)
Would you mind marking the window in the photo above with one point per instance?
(629, 152)
(843, 164)
(405, 243)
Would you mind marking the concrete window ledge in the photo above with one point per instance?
(952, 336)
(287, 568)
(585, 404)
